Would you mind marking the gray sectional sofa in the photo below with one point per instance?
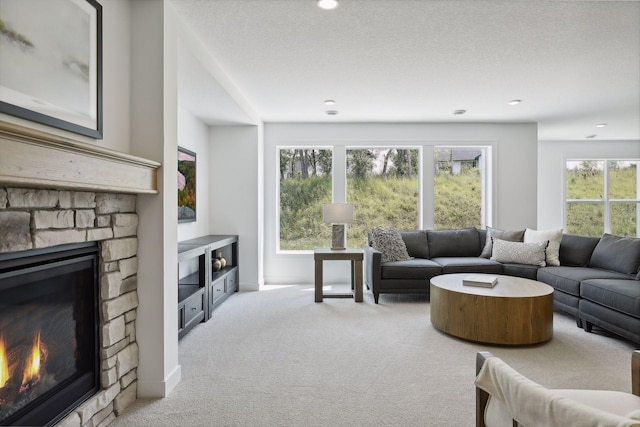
(597, 280)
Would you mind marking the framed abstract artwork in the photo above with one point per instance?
(51, 63)
(186, 185)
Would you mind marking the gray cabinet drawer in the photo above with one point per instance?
(232, 281)
(218, 289)
(193, 306)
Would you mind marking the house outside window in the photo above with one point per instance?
(602, 196)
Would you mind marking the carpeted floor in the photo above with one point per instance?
(276, 358)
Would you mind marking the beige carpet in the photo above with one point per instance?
(276, 358)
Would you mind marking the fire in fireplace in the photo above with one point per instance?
(49, 356)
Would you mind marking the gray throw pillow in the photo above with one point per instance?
(390, 243)
(519, 252)
(508, 235)
(615, 253)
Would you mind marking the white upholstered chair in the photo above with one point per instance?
(506, 398)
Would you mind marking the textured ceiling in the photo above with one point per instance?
(573, 64)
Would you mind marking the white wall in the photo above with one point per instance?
(194, 135)
(154, 117)
(235, 163)
(552, 156)
(514, 151)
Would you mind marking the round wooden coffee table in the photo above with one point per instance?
(515, 311)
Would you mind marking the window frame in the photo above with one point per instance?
(331, 148)
(606, 201)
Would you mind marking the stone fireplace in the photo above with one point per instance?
(52, 194)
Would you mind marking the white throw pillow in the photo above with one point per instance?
(389, 242)
(553, 236)
(519, 253)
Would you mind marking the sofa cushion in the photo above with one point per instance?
(468, 265)
(553, 236)
(416, 268)
(567, 279)
(508, 235)
(620, 295)
(463, 242)
(575, 251)
(519, 252)
(389, 242)
(416, 243)
(621, 254)
(520, 270)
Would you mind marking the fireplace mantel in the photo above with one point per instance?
(33, 158)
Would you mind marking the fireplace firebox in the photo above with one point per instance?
(49, 337)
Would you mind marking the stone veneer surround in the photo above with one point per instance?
(36, 218)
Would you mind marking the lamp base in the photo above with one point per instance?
(338, 237)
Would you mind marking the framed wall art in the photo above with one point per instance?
(186, 185)
(51, 63)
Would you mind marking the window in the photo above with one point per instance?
(305, 185)
(459, 187)
(383, 185)
(386, 185)
(602, 196)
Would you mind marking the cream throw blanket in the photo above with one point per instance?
(534, 405)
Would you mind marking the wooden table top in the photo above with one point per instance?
(338, 254)
(507, 286)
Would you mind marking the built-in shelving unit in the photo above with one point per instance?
(201, 286)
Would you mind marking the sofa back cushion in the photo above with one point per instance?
(615, 253)
(416, 243)
(575, 251)
(455, 243)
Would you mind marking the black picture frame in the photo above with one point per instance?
(51, 64)
(186, 185)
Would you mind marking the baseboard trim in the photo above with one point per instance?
(159, 389)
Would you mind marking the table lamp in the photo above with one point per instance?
(338, 214)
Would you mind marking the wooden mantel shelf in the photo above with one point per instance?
(33, 158)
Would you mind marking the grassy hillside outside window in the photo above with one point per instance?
(459, 184)
(602, 196)
(305, 185)
(383, 186)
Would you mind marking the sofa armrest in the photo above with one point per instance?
(372, 267)
(482, 397)
(635, 372)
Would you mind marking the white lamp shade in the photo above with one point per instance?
(338, 213)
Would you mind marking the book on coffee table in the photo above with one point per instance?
(480, 280)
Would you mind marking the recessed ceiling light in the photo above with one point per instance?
(515, 101)
(601, 125)
(329, 102)
(591, 136)
(332, 112)
(459, 112)
(327, 4)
